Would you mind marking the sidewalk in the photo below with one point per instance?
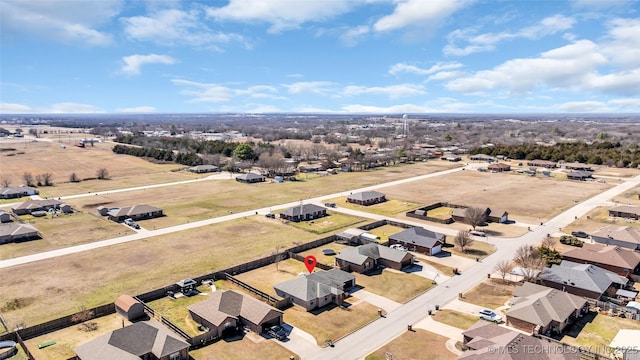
(376, 300)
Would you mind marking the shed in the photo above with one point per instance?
(103, 211)
(4, 216)
(130, 308)
(66, 208)
(186, 285)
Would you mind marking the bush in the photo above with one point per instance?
(571, 240)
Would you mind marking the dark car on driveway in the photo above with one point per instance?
(277, 332)
(580, 234)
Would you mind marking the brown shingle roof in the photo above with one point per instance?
(222, 304)
(606, 255)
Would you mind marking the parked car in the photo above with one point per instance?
(330, 204)
(132, 223)
(270, 215)
(398, 247)
(580, 234)
(489, 315)
(477, 233)
(277, 332)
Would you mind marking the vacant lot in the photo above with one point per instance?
(69, 338)
(455, 318)
(491, 293)
(527, 199)
(418, 345)
(394, 285)
(332, 222)
(51, 288)
(616, 172)
(65, 230)
(250, 346)
(600, 330)
(631, 197)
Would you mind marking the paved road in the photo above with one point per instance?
(368, 339)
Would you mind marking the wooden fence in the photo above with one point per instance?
(278, 303)
(615, 309)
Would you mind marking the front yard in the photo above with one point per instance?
(455, 318)
(332, 222)
(477, 249)
(242, 349)
(417, 345)
(491, 293)
(396, 286)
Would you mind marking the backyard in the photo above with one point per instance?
(390, 207)
(176, 309)
(332, 222)
(598, 330)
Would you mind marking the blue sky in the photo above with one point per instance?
(319, 56)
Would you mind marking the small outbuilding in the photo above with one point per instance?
(4, 216)
(250, 178)
(186, 285)
(130, 308)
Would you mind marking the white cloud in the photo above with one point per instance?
(132, 63)
(394, 109)
(584, 107)
(406, 68)
(488, 41)
(622, 45)
(628, 104)
(353, 35)
(601, 4)
(137, 110)
(418, 12)
(280, 14)
(176, 27)
(10, 108)
(60, 20)
(216, 93)
(314, 87)
(72, 108)
(445, 75)
(392, 91)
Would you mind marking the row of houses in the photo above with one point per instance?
(14, 192)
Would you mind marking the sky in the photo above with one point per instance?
(319, 56)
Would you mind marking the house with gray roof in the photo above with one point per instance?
(487, 341)
(357, 236)
(201, 169)
(582, 279)
(625, 211)
(223, 311)
(580, 175)
(317, 289)
(419, 239)
(621, 261)
(14, 192)
(250, 178)
(30, 206)
(366, 198)
(142, 340)
(539, 309)
(15, 232)
(303, 212)
(623, 236)
(5, 217)
(367, 257)
(136, 212)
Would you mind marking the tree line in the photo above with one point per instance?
(189, 158)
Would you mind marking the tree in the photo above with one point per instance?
(28, 178)
(74, 177)
(244, 152)
(504, 267)
(475, 216)
(102, 174)
(82, 317)
(463, 240)
(47, 179)
(548, 242)
(5, 183)
(530, 261)
(34, 132)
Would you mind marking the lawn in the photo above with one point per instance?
(416, 345)
(455, 318)
(331, 322)
(491, 293)
(69, 338)
(442, 212)
(443, 269)
(385, 230)
(265, 277)
(64, 230)
(332, 222)
(99, 276)
(390, 207)
(397, 286)
(599, 332)
(250, 346)
(176, 309)
(477, 249)
(321, 257)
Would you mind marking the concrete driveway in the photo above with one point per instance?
(378, 301)
(299, 342)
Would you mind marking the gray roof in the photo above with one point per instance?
(606, 255)
(315, 285)
(360, 254)
(17, 190)
(579, 174)
(204, 168)
(626, 209)
(366, 195)
(622, 233)
(249, 176)
(302, 210)
(37, 204)
(15, 229)
(134, 210)
(132, 342)
(419, 236)
(222, 304)
(537, 304)
(583, 276)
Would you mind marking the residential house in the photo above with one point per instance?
(13, 192)
(625, 344)
(129, 307)
(487, 341)
(357, 236)
(499, 167)
(542, 163)
(200, 169)
(623, 236)
(482, 157)
(30, 206)
(582, 279)
(367, 257)
(539, 309)
(366, 198)
(419, 239)
(15, 232)
(5, 217)
(223, 311)
(577, 166)
(311, 168)
(317, 289)
(492, 215)
(303, 212)
(136, 212)
(250, 178)
(147, 340)
(613, 258)
(579, 175)
(625, 211)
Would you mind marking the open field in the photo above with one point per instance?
(519, 195)
(250, 346)
(417, 345)
(631, 197)
(455, 318)
(69, 338)
(331, 322)
(63, 231)
(390, 207)
(615, 172)
(491, 293)
(599, 330)
(98, 277)
(176, 309)
(397, 286)
(332, 222)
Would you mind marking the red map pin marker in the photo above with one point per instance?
(310, 262)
